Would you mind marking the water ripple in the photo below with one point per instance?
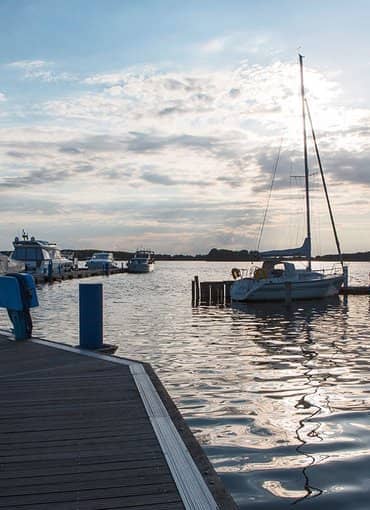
(279, 396)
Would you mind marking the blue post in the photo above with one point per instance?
(18, 295)
(91, 315)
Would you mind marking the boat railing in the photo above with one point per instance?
(248, 272)
(334, 270)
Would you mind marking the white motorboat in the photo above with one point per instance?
(101, 260)
(141, 262)
(279, 280)
(39, 257)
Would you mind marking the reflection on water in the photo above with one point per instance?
(278, 395)
(308, 375)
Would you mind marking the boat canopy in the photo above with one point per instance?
(303, 251)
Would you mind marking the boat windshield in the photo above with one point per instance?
(106, 256)
(28, 253)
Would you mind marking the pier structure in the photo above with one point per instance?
(83, 430)
(76, 273)
(218, 292)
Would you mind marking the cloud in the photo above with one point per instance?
(157, 178)
(40, 70)
(29, 64)
(240, 43)
(28, 205)
(349, 167)
(195, 148)
(35, 178)
(215, 45)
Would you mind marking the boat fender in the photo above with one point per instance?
(260, 274)
(236, 273)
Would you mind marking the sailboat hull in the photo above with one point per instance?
(247, 289)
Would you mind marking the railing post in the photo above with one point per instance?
(91, 315)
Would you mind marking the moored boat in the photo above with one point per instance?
(101, 260)
(40, 257)
(279, 280)
(141, 262)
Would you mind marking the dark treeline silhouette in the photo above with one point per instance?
(214, 255)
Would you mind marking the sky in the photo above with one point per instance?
(157, 124)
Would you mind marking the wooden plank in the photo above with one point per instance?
(162, 489)
(66, 484)
(13, 471)
(124, 475)
(114, 431)
(169, 501)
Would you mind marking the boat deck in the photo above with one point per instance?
(84, 431)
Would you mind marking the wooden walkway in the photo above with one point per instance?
(79, 431)
(76, 273)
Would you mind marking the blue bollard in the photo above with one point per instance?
(91, 315)
(18, 295)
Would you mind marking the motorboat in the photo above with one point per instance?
(39, 257)
(279, 279)
(141, 262)
(101, 260)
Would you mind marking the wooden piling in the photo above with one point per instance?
(197, 290)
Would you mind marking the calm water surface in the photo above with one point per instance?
(279, 397)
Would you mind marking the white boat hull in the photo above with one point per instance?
(140, 268)
(247, 289)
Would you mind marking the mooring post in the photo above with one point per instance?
(197, 290)
(91, 315)
(345, 276)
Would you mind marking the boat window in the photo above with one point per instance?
(19, 254)
(277, 272)
(26, 253)
(55, 254)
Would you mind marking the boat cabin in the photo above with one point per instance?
(275, 269)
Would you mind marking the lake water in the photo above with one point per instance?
(278, 396)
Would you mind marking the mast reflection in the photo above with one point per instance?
(298, 320)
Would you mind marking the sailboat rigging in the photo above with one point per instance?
(278, 279)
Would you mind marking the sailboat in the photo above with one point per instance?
(278, 279)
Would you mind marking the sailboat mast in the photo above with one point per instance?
(306, 170)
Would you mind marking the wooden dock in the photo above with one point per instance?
(218, 292)
(85, 431)
(76, 273)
